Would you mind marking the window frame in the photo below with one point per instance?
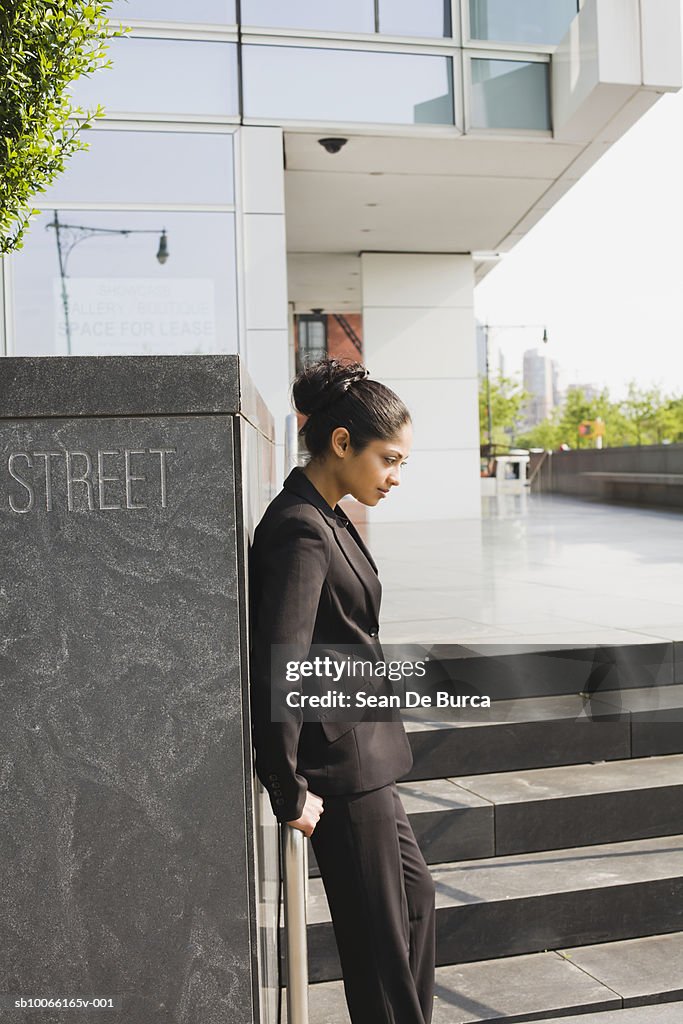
(525, 56)
(490, 44)
(331, 42)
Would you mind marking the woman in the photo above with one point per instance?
(313, 582)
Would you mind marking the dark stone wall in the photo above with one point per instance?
(126, 844)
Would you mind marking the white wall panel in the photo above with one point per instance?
(416, 279)
(445, 413)
(262, 170)
(421, 342)
(661, 43)
(265, 271)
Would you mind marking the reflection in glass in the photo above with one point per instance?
(209, 12)
(335, 16)
(293, 83)
(148, 167)
(509, 94)
(407, 18)
(164, 76)
(122, 299)
(521, 21)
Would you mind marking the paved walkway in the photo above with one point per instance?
(537, 569)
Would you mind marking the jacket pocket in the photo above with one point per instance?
(335, 730)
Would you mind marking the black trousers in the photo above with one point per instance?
(381, 898)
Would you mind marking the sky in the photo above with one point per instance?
(604, 269)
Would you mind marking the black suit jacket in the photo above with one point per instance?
(313, 581)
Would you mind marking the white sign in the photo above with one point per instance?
(136, 316)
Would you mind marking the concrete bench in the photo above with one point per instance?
(669, 479)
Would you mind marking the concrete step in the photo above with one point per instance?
(525, 903)
(636, 981)
(500, 813)
(514, 735)
(509, 670)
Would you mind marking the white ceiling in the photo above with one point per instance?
(407, 194)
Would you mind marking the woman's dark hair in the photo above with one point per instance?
(332, 393)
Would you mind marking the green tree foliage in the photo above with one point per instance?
(44, 46)
(645, 416)
(507, 399)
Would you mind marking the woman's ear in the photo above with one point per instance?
(341, 441)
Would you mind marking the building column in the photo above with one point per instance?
(419, 339)
(262, 254)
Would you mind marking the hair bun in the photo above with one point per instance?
(321, 384)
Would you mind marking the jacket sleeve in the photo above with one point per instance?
(291, 566)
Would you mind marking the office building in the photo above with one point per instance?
(366, 159)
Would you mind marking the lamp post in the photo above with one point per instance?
(496, 327)
(68, 236)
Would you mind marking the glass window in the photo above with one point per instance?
(521, 21)
(175, 76)
(336, 16)
(311, 338)
(209, 12)
(510, 94)
(120, 298)
(407, 18)
(148, 167)
(292, 83)
(393, 17)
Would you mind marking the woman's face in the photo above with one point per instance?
(370, 474)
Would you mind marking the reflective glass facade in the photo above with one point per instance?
(179, 76)
(389, 17)
(296, 83)
(521, 21)
(119, 298)
(164, 159)
(213, 12)
(157, 167)
(510, 94)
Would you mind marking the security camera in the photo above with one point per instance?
(332, 145)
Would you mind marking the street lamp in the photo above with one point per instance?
(496, 327)
(68, 236)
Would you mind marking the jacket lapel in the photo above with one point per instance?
(346, 536)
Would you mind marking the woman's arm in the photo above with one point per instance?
(291, 567)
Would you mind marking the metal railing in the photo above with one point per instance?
(295, 879)
(295, 851)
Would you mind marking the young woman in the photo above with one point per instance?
(314, 582)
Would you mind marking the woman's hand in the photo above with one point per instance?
(313, 808)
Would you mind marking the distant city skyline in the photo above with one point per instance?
(603, 270)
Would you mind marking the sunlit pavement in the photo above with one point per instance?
(537, 569)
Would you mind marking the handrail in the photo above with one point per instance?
(295, 869)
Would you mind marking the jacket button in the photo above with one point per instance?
(279, 801)
(272, 777)
(373, 631)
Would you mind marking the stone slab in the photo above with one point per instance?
(664, 1013)
(516, 735)
(611, 801)
(644, 970)
(124, 839)
(504, 906)
(77, 386)
(553, 670)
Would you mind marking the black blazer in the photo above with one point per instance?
(313, 581)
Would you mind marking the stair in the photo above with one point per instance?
(553, 826)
